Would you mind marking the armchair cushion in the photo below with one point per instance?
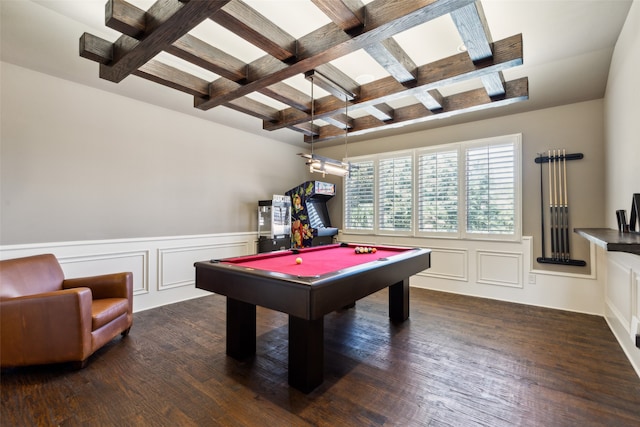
(106, 310)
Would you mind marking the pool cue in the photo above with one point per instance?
(553, 241)
(555, 208)
(560, 210)
(566, 204)
(542, 206)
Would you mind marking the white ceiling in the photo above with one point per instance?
(567, 50)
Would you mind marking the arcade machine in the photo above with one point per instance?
(310, 224)
(274, 224)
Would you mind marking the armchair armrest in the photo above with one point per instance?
(115, 285)
(46, 328)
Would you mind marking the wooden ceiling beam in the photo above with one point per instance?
(346, 14)
(454, 69)
(191, 49)
(432, 99)
(390, 55)
(384, 19)
(476, 36)
(288, 95)
(166, 21)
(99, 50)
(125, 18)
(202, 54)
(473, 100)
(340, 121)
(130, 20)
(472, 26)
(213, 59)
(383, 112)
(307, 128)
(252, 26)
(172, 77)
(494, 84)
(165, 27)
(96, 48)
(254, 108)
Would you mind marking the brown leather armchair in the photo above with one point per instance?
(45, 318)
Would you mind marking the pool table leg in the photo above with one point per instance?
(306, 353)
(241, 329)
(399, 301)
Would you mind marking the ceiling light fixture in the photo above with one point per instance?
(321, 164)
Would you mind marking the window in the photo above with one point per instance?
(438, 191)
(464, 190)
(395, 195)
(359, 196)
(490, 179)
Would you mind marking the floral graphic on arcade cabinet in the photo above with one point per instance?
(300, 233)
(297, 202)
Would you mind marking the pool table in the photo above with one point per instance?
(323, 279)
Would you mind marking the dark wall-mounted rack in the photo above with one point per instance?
(545, 159)
(558, 208)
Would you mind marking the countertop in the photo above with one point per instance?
(612, 240)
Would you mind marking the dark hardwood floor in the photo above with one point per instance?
(458, 361)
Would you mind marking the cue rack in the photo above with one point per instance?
(558, 207)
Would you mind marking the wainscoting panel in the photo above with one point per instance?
(619, 281)
(162, 267)
(503, 270)
(500, 268)
(450, 264)
(622, 300)
(136, 262)
(175, 265)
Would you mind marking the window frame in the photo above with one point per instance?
(461, 148)
(516, 140)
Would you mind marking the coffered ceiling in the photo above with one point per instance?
(383, 66)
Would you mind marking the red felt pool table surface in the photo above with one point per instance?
(316, 261)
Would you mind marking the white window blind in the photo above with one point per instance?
(359, 196)
(395, 193)
(468, 190)
(490, 189)
(438, 192)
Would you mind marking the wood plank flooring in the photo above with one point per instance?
(458, 361)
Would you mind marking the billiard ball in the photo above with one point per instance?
(365, 250)
(298, 260)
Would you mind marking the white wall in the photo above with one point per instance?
(622, 177)
(78, 163)
(622, 120)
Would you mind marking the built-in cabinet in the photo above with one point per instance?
(618, 257)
